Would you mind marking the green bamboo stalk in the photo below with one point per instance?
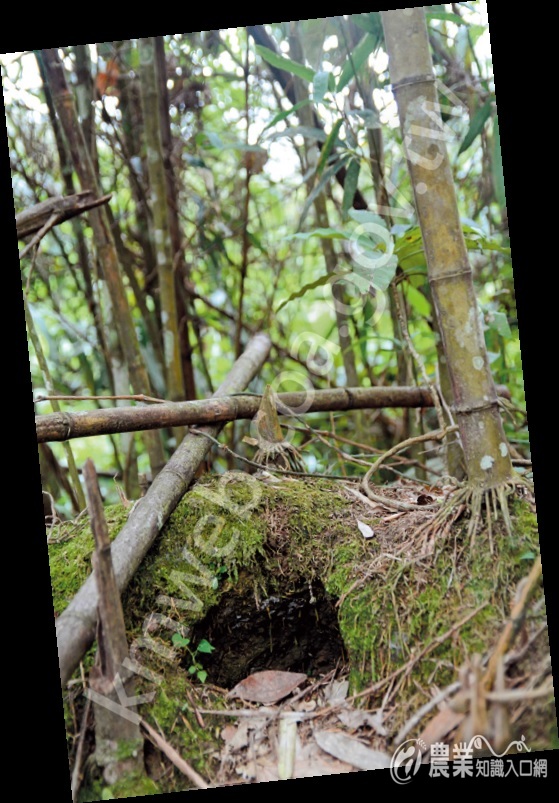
(182, 273)
(104, 240)
(486, 450)
(84, 97)
(160, 221)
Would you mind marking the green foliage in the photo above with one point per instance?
(497, 163)
(328, 145)
(476, 126)
(284, 63)
(295, 151)
(203, 647)
(446, 16)
(357, 58)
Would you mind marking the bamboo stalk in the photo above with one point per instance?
(159, 216)
(486, 451)
(43, 365)
(184, 305)
(104, 240)
(66, 426)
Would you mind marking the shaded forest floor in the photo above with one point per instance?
(388, 626)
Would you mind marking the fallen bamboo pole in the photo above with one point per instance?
(75, 627)
(109, 421)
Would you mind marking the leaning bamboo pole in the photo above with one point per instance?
(75, 627)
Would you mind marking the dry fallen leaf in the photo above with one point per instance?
(350, 750)
(355, 718)
(268, 686)
(365, 530)
(336, 691)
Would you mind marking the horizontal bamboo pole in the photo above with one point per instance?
(109, 421)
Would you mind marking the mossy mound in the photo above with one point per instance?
(280, 575)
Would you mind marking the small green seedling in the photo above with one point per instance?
(218, 577)
(195, 667)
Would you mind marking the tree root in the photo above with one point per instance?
(282, 455)
(483, 503)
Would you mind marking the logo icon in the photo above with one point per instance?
(406, 761)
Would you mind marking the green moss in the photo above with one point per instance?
(70, 548)
(132, 786)
(263, 538)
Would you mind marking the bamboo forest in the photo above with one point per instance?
(280, 413)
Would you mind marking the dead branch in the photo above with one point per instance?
(173, 756)
(62, 207)
(75, 627)
(526, 590)
(112, 730)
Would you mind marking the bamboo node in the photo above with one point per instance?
(416, 79)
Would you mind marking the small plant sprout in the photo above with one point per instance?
(203, 646)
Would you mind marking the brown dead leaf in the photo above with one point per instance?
(311, 761)
(228, 732)
(254, 160)
(268, 686)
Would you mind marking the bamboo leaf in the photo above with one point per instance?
(324, 179)
(328, 145)
(350, 184)
(326, 233)
(282, 115)
(194, 161)
(306, 131)
(209, 139)
(283, 63)
(418, 301)
(409, 246)
(475, 31)
(498, 322)
(476, 125)
(377, 272)
(368, 22)
(357, 59)
(369, 117)
(255, 241)
(445, 16)
(322, 280)
(320, 84)
(497, 166)
(364, 216)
